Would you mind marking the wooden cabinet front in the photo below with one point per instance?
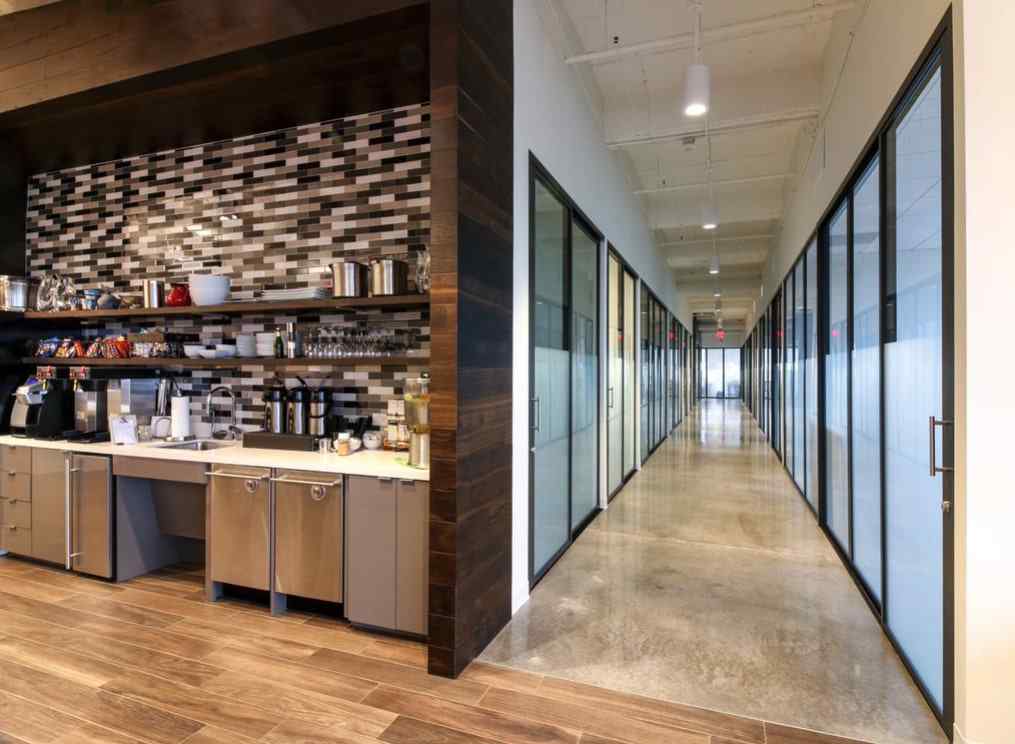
(49, 497)
(371, 546)
(308, 535)
(238, 526)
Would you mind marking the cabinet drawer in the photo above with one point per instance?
(238, 526)
(16, 540)
(308, 535)
(166, 470)
(16, 458)
(16, 486)
(17, 513)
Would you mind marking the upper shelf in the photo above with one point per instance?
(260, 307)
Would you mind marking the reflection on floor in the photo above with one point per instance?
(708, 582)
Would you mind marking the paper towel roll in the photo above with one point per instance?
(180, 410)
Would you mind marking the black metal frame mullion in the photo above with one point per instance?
(849, 371)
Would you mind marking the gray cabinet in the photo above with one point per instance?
(16, 500)
(49, 517)
(238, 526)
(387, 524)
(90, 482)
(308, 535)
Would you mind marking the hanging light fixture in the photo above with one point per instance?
(713, 267)
(709, 217)
(697, 81)
(717, 293)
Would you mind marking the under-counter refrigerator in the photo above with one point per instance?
(72, 511)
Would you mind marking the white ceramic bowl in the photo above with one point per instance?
(208, 289)
(193, 351)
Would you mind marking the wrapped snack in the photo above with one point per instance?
(47, 348)
(94, 350)
(66, 349)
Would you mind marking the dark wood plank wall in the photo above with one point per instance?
(77, 45)
(472, 94)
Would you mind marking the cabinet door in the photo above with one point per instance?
(370, 551)
(238, 526)
(308, 535)
(413, 556)
(16, 458)
(91, 515)
(49, 517)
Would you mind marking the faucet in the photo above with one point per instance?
(233, 431)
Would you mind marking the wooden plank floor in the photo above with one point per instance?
(84, 661)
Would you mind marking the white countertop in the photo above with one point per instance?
(377, 463)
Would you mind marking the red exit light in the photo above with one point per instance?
(720, 334)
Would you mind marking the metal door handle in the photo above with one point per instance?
(934, 469)
(68, 495)
(318, 492)
(238, 476)
(536, 416)
(609, 397)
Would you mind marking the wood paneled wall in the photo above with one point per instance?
(77, 45)
(472, 83)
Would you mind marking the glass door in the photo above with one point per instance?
(615, 371)
(630, 318)
(584, 373)
(564, 372)
(837, 507)
(917, 390)
(550, 436)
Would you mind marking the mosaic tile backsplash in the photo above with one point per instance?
(270, 210)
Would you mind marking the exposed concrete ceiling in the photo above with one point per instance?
(767, 61)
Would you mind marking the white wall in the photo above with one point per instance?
(555, 121)
(887, 41)
(985, 276)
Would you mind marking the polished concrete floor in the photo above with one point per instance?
(708, 582)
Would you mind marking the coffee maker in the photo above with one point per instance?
(91, 422)
(25, 397)
(53, 415)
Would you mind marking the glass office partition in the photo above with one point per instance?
(789, 365)
(731, 373)
(714, 370)
(615, 372)
(630, 370)
(584, 373)
(914, 365)
(646, 380)
(813, 488)
(837, 380)
(799, 373)
(564, 372)
(551, 389)
(866, 381)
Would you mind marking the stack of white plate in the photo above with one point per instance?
(246, 345)
(299, 293)
(265, 344)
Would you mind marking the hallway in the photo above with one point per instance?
(708, 582)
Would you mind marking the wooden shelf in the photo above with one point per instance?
(233, 363)
(254, 307)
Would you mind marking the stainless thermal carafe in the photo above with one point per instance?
(274, 410)
(320, 404)
(153, 292)
(298, 410)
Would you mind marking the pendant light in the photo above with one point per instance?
(697, 81)
(713, 267)
(709, 217)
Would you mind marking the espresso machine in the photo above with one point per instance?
(51, 410)
(417, 418)
(27, 396)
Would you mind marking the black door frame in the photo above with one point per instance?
(572, 214)
(625, 270)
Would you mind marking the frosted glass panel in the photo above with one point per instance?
(585, 375)
(866, 382)
(789, 364)
(615, 385)
(836, 382)
(799, 370)
(630, 377)
(913, 361)
(714, 371)
(811, 378)
(551, 357)
(732, 372)
(645, 327)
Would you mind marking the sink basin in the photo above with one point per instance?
(199, 445)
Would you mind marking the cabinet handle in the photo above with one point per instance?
(383, 479)
(296, 482)
(239, 476)
(407, 482)
(11, 473)
(318, 492)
